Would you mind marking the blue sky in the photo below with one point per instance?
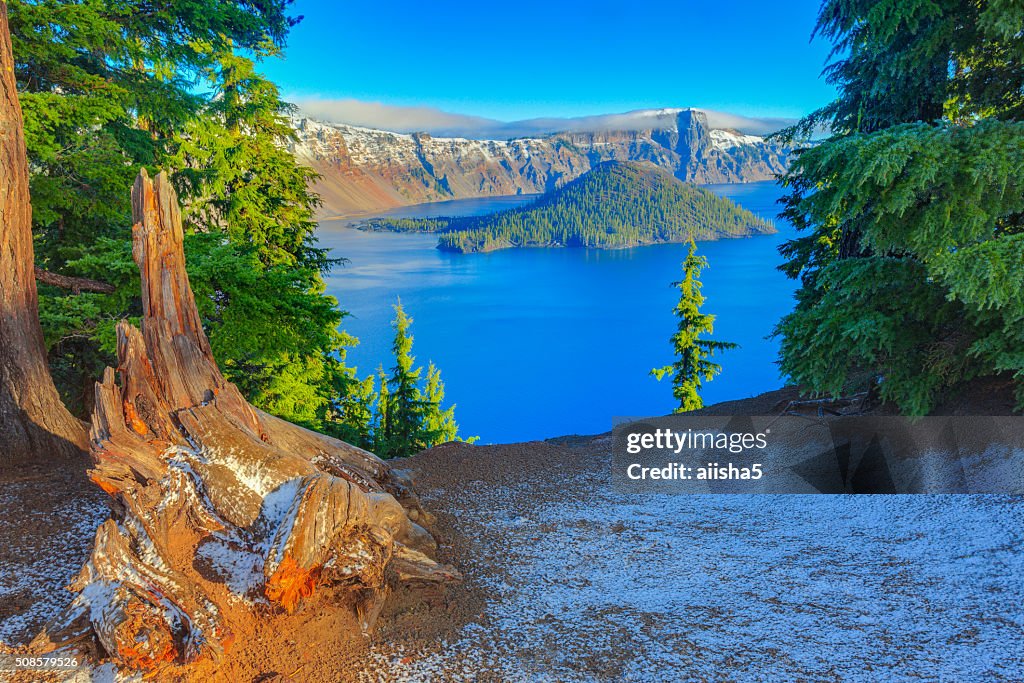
(548, 58)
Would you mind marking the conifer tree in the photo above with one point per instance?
(238, 172)
(105, 86)
(355, 412)
(911, 257)
(245, 185)
(403, 432)
(380, 420)
(693, 366)
(439, 423)
(34, 424)
(108, 87)
(410, 415)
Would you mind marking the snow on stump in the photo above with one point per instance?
(219, 508)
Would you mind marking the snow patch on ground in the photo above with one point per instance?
(45, 548)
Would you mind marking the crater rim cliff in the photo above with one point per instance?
(367, 170)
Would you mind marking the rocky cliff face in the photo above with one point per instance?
(366, 170)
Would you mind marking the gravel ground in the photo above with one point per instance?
(569, 580)
(580, 583)
(47, 527)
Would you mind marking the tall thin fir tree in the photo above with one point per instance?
(380, 419)
(410, 414)
(693, 367)
(403, 428)
(439, 422)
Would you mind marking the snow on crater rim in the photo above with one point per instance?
(727, 139)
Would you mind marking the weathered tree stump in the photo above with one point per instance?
(221, 510)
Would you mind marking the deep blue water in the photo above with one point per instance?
(536, 343)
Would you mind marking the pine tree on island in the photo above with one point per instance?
(694, 352)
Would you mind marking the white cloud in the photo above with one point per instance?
(746, 124)
(442, 123)
(390, 117)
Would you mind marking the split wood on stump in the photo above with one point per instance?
(217, 504)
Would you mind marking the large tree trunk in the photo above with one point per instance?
(34, 424)
(223, 513)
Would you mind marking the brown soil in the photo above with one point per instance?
(46, 535)
(46, 532)
(476, 494)
(320, 642)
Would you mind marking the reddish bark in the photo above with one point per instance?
(34, 424)
(75, 284)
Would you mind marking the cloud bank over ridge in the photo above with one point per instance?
(447, 124)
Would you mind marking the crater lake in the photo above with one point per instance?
(544, 342)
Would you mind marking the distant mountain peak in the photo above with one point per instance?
(368, 169)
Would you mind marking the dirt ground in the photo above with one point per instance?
(568, 579)
(48, 520)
